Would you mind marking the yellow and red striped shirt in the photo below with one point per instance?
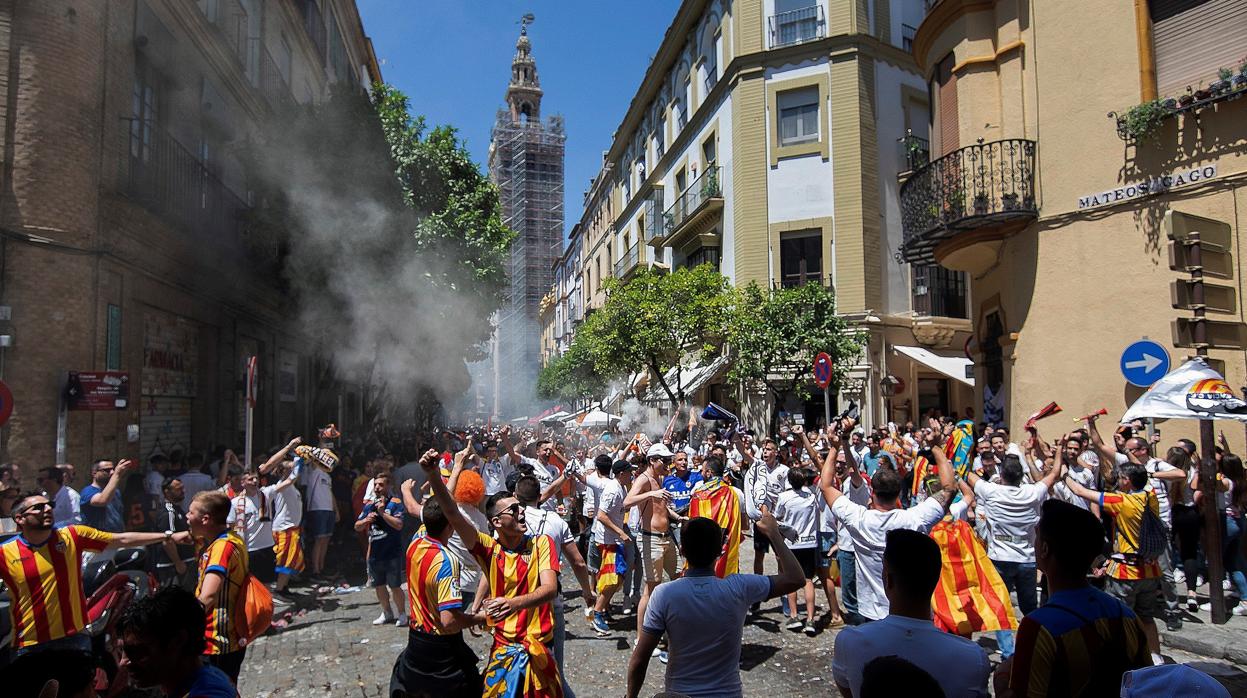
(717, 501)
(45, 583)
(516, 573)
(1127, 511)
(432, 584)
(226, 556)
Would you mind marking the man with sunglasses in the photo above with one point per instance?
(522, 573)
(42, 567)
(101, 500)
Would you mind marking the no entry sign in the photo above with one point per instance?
(822, 370)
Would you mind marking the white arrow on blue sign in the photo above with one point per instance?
(1144, 362)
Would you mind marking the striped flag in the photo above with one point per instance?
(251, 381)
(922, 467)
(970, 597)
(717, 501)
(960, 447)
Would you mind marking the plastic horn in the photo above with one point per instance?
(1098, 413)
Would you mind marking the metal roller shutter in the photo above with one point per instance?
(1193, 38)
(950, 129)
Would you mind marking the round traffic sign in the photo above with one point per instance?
(822, 370)
(1144, 362)
(6, 403)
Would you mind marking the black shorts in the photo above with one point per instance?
(808, 559)
(263, 564)
(436, 665)
(761, 544)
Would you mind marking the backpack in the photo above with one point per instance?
(254, 611)
(1153, 538)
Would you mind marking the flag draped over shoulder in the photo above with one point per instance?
(717, 501)
(922, 467)
(960, 447)
(970, 597)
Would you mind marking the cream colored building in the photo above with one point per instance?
(764, 139)
(1033, 192)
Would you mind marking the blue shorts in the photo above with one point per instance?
(318, 524)
(386, 572)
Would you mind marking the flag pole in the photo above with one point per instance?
(250, 407)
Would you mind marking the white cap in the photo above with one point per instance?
(659, 450)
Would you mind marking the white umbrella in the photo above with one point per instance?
(598, 419)
(1192, 391)
(557, 417)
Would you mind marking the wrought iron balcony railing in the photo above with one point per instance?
(907, 37)
(915, 151)
(795, 280)
(970, 188)
(272, 83)
(704, 188)
(797, 26)
(166, 178)
(628, 261)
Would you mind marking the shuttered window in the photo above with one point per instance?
(1193, 38)
(945, 89)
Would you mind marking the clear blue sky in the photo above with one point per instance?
(453, 59)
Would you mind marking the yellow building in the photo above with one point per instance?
(1057, 212)
(766, 139)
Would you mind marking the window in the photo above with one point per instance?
(796, 21)
(944, 90)
(703, 255)
(798, 116)
(681, 181)
(1193, 38)
(939, 292)
(800, 257)
(146, 112)
(709, 151)
(285, 59)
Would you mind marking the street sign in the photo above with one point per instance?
(1218, 334)
(6, 403)
(1218, 298)
(822, 370)
(98, 390)
(1144, 362)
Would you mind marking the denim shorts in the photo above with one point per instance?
(385, 572)
(318, 524)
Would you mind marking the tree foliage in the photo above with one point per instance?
(775, 334)
(571, 376)
(651, 322)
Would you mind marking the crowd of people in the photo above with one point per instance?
(1093, 537)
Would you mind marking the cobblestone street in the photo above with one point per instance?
(333, 650)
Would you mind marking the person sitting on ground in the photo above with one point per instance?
(704, 616)
(163, 644)
(911, 571)
(1082, 640)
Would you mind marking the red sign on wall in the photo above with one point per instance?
(98, 390)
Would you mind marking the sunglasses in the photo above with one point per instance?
(35, 507)
(513, 510)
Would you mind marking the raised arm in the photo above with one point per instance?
(1090, 495)
(466, 530)
(827, 474)
(461, 459)
(948, 480)
(1106, 452)
(279, 456)
(815, 458)
(410, 501)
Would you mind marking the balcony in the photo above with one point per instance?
(986, 189)
(628, 263)
(797, 26)
(167, 179)
(272, 83)
(795, 280)
(915, 151)
(700, 204)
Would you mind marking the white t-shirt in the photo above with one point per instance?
(592, 492)
(495, 473)
(193, 483)
(545, 475)
(1083, 476)
(868, 528)
(257, 521)
(859, 496)
(1012, 513)
(799, 510)
(67, 506)
(469, 570)
(704, 618)
(319, 489)
(957, 664)
(154, 484)
(764, 486)
(287, 507)
(1161, 487)
(547, 523)
(612, 504)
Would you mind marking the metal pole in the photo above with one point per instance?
(1207, 466)
(827, 406)
(62, 419)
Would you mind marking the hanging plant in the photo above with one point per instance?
(1142, 120)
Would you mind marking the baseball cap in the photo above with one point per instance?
(1170, 680)
(621, 466)
(659, 450)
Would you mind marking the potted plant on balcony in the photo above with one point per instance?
(1185, 100)
(980, 204)
(1170, 104)
(1202, 93)
(1142, 120)
(1009, 201)
(1222, 84)
(1240, 80)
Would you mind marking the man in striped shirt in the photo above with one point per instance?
(437, 662)
(42, 568)
(222, 576)
(523, 578)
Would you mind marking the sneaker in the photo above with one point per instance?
(401, 621)
(656, 652)
(795, 624)
(810, 630)
(662, 656)
(1240, 610)
(1192, 604)
(383, 619)
(589, 614)
(754, 608)
(599, 624)
(1173, 623)
(1179, 576)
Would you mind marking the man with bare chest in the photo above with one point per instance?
(656, 543)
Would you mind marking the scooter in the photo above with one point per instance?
(111, 586)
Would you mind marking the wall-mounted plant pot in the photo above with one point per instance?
(1009, 202)
(1239, 81)
(1201, 95)
(1170, 104)
(1219, 87)
(1186, 100)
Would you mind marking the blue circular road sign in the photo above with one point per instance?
(1144, 362)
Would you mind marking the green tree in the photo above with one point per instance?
(775, 334)
(654, 320)
(572, 376)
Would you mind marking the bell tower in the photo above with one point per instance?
(524, 91)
